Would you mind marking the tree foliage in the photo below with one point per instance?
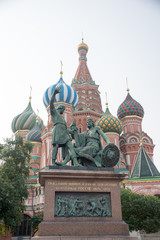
(13, 173)
(140, 212)
(35, 221)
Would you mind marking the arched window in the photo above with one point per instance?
(25, 228)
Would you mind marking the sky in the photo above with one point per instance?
(123, 37)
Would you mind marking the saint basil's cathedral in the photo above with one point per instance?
(82, 101)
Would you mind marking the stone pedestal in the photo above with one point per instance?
(82, 205)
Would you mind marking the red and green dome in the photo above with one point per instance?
(109, 123)
(130, 107)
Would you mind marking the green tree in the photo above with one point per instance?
(35, 221)
(140, 212)
(13, 173)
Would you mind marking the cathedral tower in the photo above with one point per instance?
(131, 113)
(89, 104)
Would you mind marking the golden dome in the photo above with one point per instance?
(82, 45)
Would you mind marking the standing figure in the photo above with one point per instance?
(60, 135)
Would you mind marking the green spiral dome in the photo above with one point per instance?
(26, 120)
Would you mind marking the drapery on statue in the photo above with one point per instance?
(89, 147)
(60, 135)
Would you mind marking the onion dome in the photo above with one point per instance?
(25, 120)
(67, 94)
(82, 45)
(130, 107)
(109, 123)
(34, 135)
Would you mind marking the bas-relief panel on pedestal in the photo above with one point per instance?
(82, 204)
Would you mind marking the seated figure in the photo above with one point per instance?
(88, 145)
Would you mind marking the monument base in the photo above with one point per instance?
(106, 237)
(81, 205)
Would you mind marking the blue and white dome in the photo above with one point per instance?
(67, 94)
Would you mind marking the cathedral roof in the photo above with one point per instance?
(144, 167)
(82, 74)
(25, 120)
(67, 94)
(34, 135)
(130, 107)
(109, 123)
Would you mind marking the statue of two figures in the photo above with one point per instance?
(87, 150)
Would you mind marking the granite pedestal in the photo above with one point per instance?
(81, 205)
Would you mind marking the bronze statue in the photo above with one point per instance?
(87, 150)
(60, 135)
(88, 145)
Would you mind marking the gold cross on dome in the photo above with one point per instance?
(127, 84)
(30, 97)
(106, 100)
(61, 72)
(37, 118)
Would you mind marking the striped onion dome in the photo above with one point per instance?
(130, 107)
(34, 135)
(26, 120)
(109, 123)
(67, 94)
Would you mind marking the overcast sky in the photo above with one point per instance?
(123, 38)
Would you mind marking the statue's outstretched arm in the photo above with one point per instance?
(52, 107)
(106, 139)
